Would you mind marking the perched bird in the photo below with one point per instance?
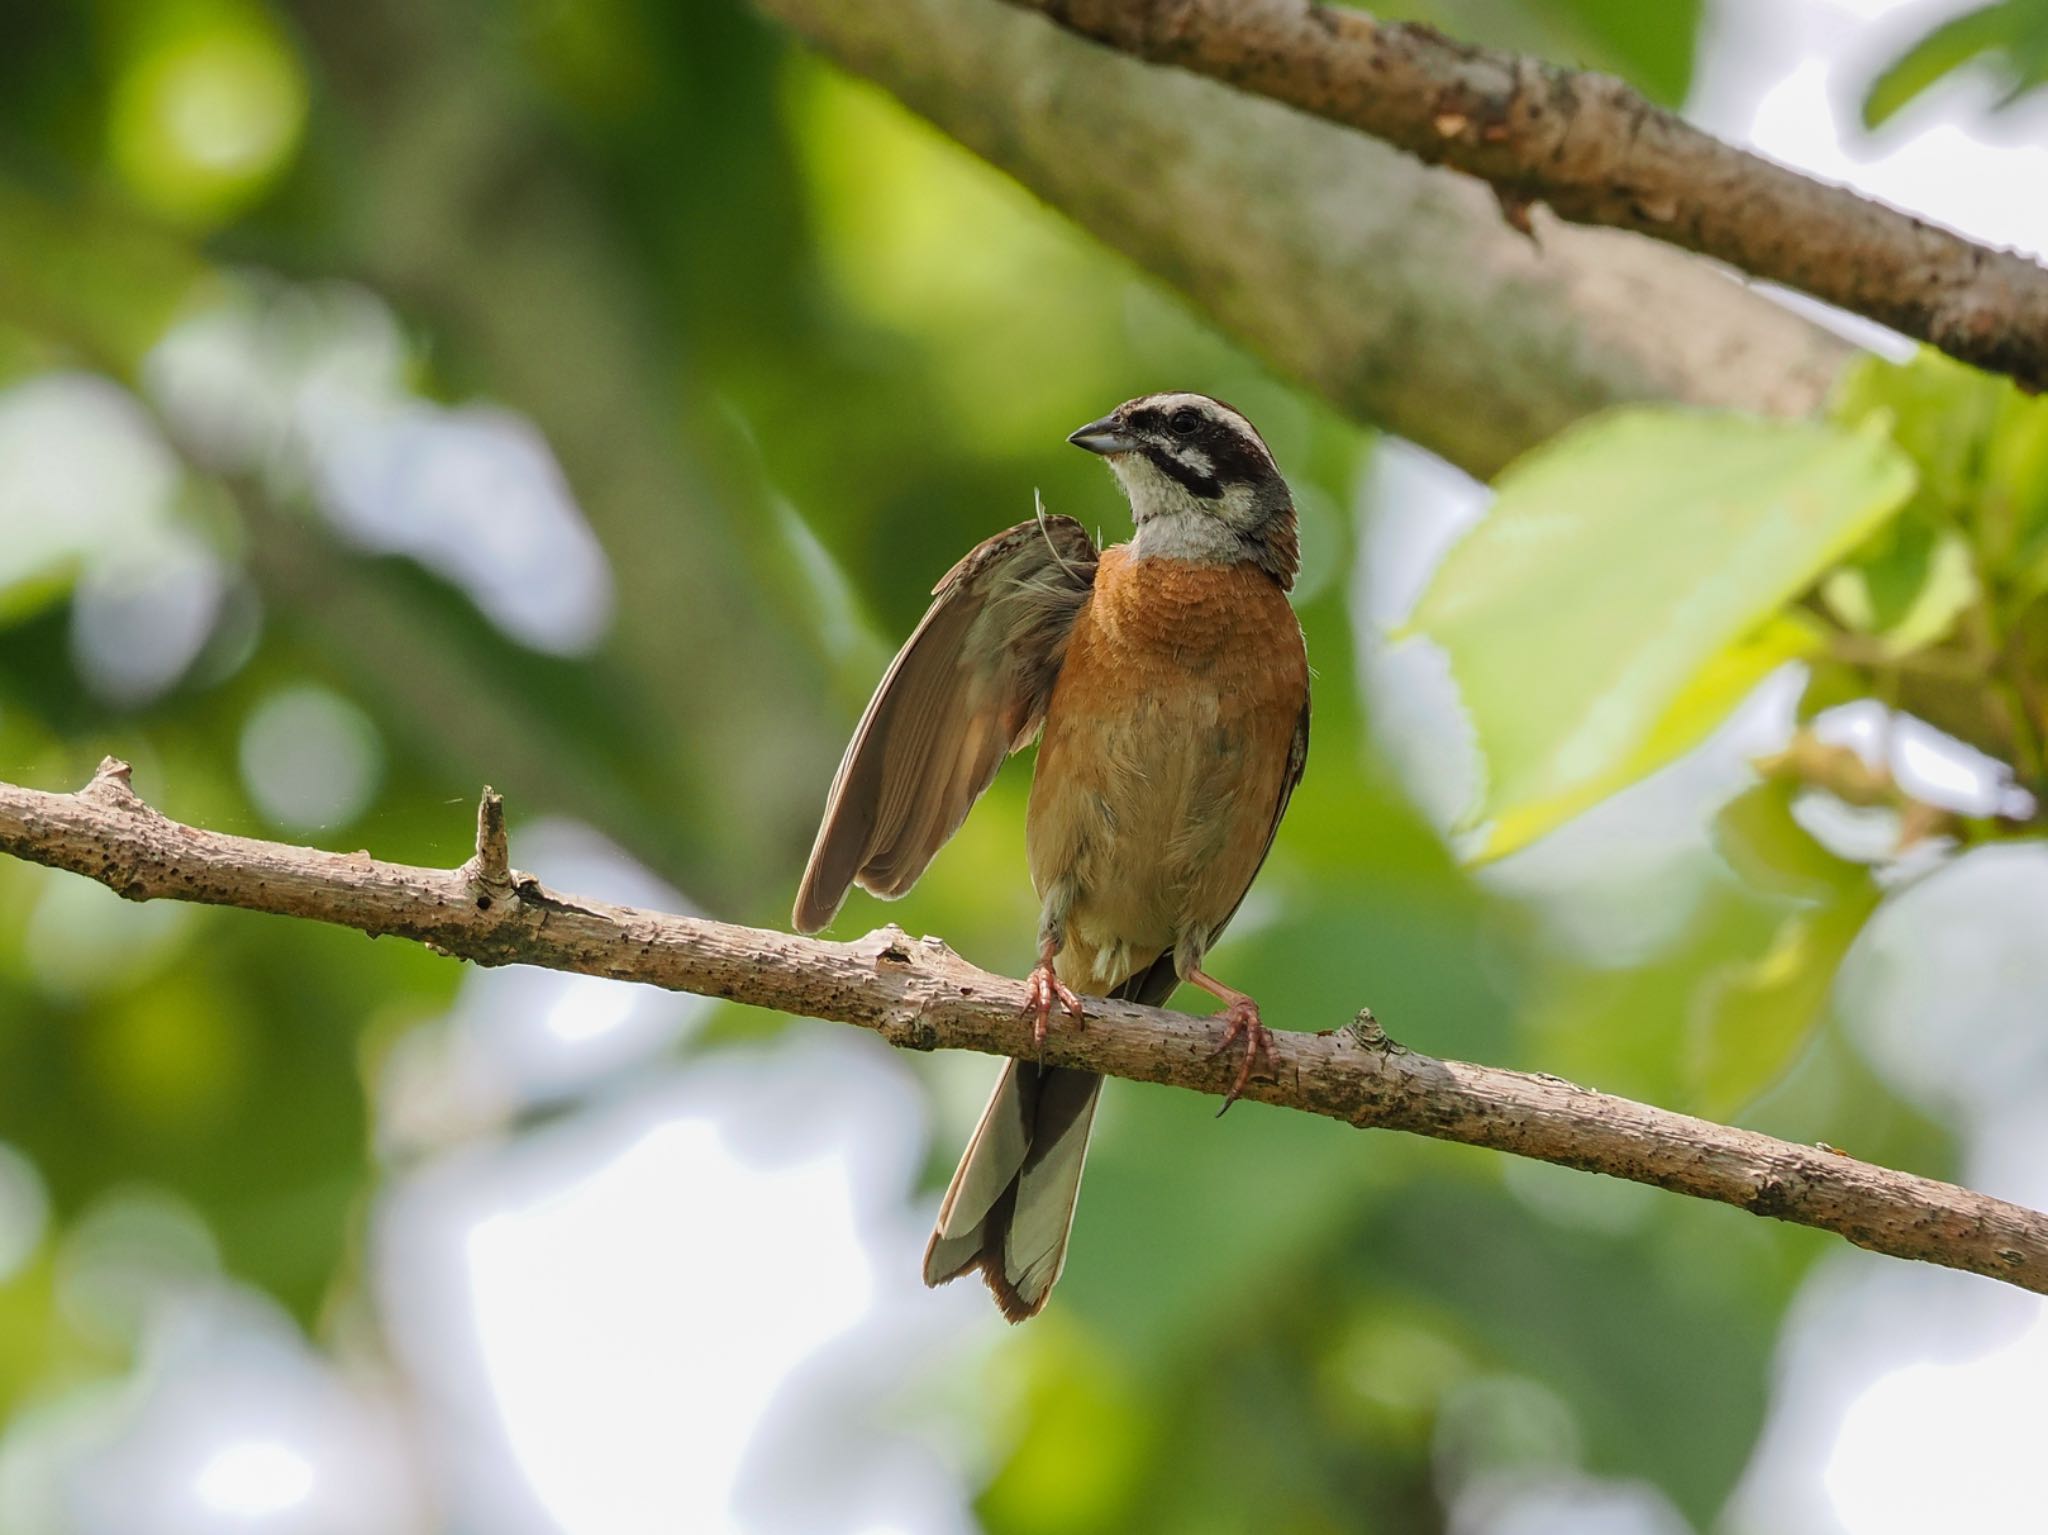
(1170, 681)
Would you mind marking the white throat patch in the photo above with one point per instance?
(1176, 524)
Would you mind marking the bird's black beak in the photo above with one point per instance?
(1102, 436)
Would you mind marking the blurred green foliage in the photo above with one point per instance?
(792, 353)
(2010, 36)
(1649, 45)
(1944, 608)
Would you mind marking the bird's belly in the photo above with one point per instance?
(1154, 804)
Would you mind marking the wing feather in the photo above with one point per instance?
(968, 688)
(1297, 764)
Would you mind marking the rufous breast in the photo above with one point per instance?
(1165, 757)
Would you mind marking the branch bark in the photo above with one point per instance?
(1398, 294)
(918, 994)
(1597, 152)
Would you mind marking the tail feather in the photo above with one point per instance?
(1011, 1202)
(1010, 1206)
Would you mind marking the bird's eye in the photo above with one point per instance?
(1183, 423)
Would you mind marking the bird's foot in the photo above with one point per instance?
(1041, 989)
(1242, 1018)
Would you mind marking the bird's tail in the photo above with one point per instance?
(1010, 1205)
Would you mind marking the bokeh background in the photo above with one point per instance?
(402, 394)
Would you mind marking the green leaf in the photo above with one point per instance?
(1653, 45)
(1755, 1018)
(2015, 491)
(2011, 34)
(27, 588)
(1939, 411)
(1763, 842)
(1714, 691)
(1940, 52)
(1625, 593)
(1910, 590)
(1981, 448)
(1829, 685)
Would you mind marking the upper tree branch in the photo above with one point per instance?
(922, 996)
(1395, 292)
(1598, 153)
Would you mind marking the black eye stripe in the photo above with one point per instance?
(1187, 476)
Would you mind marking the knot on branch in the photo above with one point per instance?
(489, 869)
(112, 787)
(1363, 1032)
(891, 947)
(910, 1029)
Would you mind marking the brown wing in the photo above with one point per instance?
(1297, 764)
(967, 689)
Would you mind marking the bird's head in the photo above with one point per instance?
(1201, 482)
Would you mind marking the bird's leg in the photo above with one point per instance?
(1241, 1014)
(1041, 989)
(1043, 986)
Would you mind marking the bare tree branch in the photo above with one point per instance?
(1397, 293)
(920, 995)
(1596, 152)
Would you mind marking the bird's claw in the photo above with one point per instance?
(1041, 989)
(1242, 1018)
